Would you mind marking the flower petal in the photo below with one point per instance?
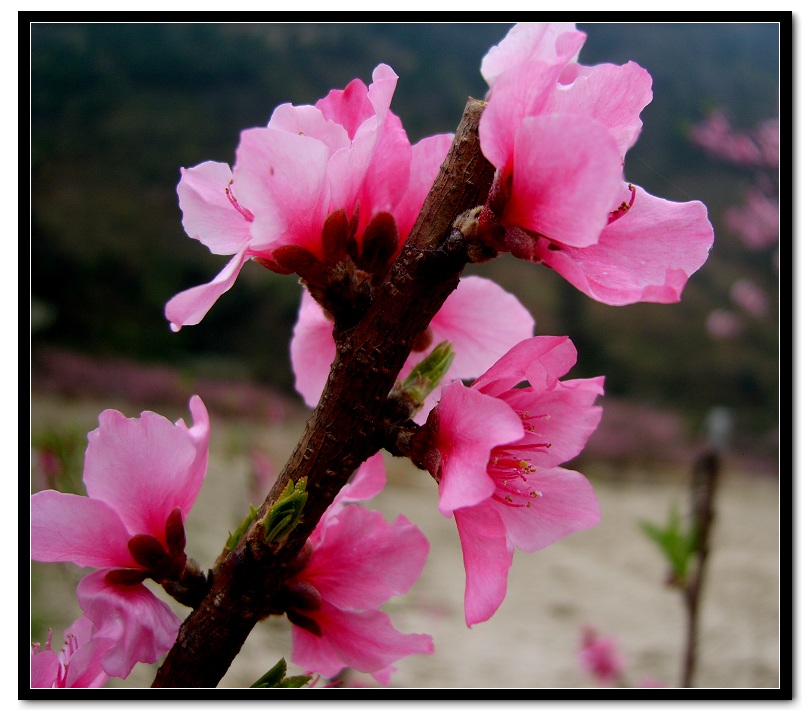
(189, 307)
(361, 561)
(146, 467)
(566, 171)
(71, 528)
(208, 214)
(541, 360)
(552, 43)
(365, 641)
(487, 557)
(141, 626)
(282, 179)
(312, 349)
(614, 95)
(565, 503)
(646, 255)
(470, 425)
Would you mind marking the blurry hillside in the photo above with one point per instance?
(118, 109)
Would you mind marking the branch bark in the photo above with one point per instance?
(346, 427)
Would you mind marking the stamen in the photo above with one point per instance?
(248, 216)
(624, 207)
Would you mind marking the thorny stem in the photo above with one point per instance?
(344, 429)
(704, 484)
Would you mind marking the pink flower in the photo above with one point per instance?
(495, 448)
(142, 477)
(599, 656)
(356, 562)
(557, 133)
(756, 221)
(479, 318)
(77, 664)
(750, 297)
(722, 324)
(339, 177)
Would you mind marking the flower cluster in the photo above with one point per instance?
(330, 192)
(142, 477)
(353, 563)
(557, 133)
(322, 186)
(495, 449)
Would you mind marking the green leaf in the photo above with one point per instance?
(275, 677)
(234, 538)
(283, 516)
(426, 375)
(677, 545)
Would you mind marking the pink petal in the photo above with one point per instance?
(312, 349)
(45, 668)
(208, 214)
(521, 92)
(565, 503)
(309, 121)
(386, 175)
(612, 94)
(189, 307)
(563, 417)
(646, 255)
(365, 641)
(471, 424)
(144, 468)
(84, 665)
(566, 171)
(487, 558)
(541, 360)
(141, 626)
(368, 481)
(361, 561)
(552, 43)
(282, 179)
(482, 321)
(426, 159)
(70, 528)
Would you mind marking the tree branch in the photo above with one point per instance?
(344, 429)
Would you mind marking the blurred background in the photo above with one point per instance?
(117, 109)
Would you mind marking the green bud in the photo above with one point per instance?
(275, 677)
(283, 516)
(234, 538)
(426, 375)
(677, 545)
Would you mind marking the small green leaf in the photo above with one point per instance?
(677, 545)
(283, 516)
(234, 538)
(275, 677)
(426, 375)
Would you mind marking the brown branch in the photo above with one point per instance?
(704, 485)
(343, 430)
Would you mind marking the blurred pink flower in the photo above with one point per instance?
(717, 137)
(750, 297)
(557, 133)
(599, 657)
(722, 324)
(479, 318)
(495, 448)
(756, 221)
(339, 173)
(355, 562)
(77, 664)
(142, 477)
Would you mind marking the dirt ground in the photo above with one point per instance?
(610, 577)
